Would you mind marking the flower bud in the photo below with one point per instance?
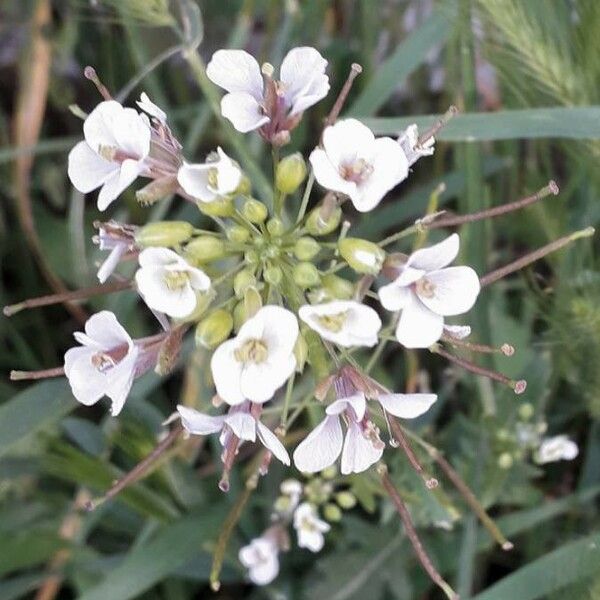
(505, 460)
(238, 234)
(306, 275)
(245, 186)
(332, 513)
(214, 329)
(239, 316)
(315, 225)
(526, 411)
(362, 256)
(164, 233)
(329, 472)
(254, 211)
(306, 248)
(252, 302)
(157, 190)
(275, 227)
(300, 353)
(273, 275)
(205, 248)
(290, 173)
(220, 207)
(346, 500)
(337, 287)
(243, 280)
(251, 257)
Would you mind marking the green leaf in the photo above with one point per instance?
(554, 571)
(172, 548)
(38, 407)
(31, 548)
(405, 59)
(581, 122)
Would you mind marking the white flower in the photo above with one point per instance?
(292, 489)
(168, 283)
(261, 559)
(104, 364)
(344, 322)
(249, 106)
(559, 447)
(238, 421)
(208, 181)
(149, 107)
(354, 163)
(259, 360)
(361, 446)
(119, 240)
(408, 141)
(117, 142)
(309, 527)
(426, 292)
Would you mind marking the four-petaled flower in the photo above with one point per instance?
(354, 163)
(259, 360)
(113, 155)
(344, 322)
(426, 291)
(556, 448)
(168, 283)
(309, 527)
(117, 238)
(104, 364)
(274, 107)
(210, 180)
(261, 558)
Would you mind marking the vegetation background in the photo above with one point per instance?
(526, 76)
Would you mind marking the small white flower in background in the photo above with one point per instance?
(104, 364)
(211, 180)
(261, 558)
(343, 322)
(117, 142)
(145, 104)
(426, 291)
(251, 105)
(354, 163)
(259, 360)
(168, 283)
(309, 528)
(293, 489)
(556, 448)
(409, 142)
(238, 421)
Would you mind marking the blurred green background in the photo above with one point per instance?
(525, 75)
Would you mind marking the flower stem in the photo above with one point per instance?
(412, 535)
(286, 402)
(29, 375)
(355, 70)
(305, 197)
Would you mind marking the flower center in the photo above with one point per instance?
(357, 171)
(333, 323)
(176, 280)
(102, 362)
(213, 178)
(371, 433)
(425, 288)
(253, 351)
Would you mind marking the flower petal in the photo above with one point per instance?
(394, 297)
(357, 403)
(120, 380)
(236, 71)
(418, 326)
(437, 256)
(198, 423)
(272, 443)
(358, 453)
(227, 373)
(118, 182)
(321, 447)
(259, 382)
(280, 330)
(193, 179)
(88, 170)
(460, 332)
(153, 288)
(244, 112)
(149, 107)
(347, 141)
(106, 331)
(327, 175)
(243, 425)
(407, 406)
(455, 291)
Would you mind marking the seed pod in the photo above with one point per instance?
(237, 234)
(243, 280)
(220, 207)
(290, 173)
(362, 256)
(306, 248)
(205, 248)
(164, 233)
(214, 329)
(275, 227)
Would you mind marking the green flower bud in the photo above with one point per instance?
(251, 257)
(205, 248)
(214, 329)
(290, 173)
(306, 275)
(282, 504)
(526, 411)
(332, 513)
(346, 500)
(252, 302)
(255, 211)
(220, 207)
(337, 287)
(362, 256)
(238, 234)
(505, 460)
(306, 248)
(243, 280)
(300, 353)
(239, 316)
(164, 233)
(273, 275)
(275, 227)
(315, 225)
(329, 472)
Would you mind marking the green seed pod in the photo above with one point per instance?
(205, 248)
(214, 329)
(221, 207)
(337, 287)
(164, 233)
(306, 248)
(315, 225)
(306, 275)
(332, 513)
(238, 234)
(255, 211)
(243, 280)
(362, 256)
(290, 173)
(275, 227)
(346, 500)
(300, 353)
(273, 275)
